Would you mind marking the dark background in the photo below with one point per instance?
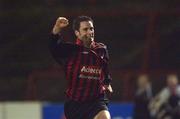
(142, 37)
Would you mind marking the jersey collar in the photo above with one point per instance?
(79, 42)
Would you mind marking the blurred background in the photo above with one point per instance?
(143, 38)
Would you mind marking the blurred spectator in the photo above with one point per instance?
(166, 105)
(142, 97)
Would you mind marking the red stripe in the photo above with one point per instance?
(75, 73)
(69, 66)
(95, 89)
(80, 88)
(81, 80)
(68, 71)
(86, 93)
(97, 84)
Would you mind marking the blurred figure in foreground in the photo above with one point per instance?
(143, 96)
(166, 104)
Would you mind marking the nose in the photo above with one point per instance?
(90, 31)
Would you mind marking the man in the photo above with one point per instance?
(143, 96)
(166, 104)
(86, 68)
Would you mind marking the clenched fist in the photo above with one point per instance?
(61, 23)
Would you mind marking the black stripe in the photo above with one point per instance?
(96, 86)
(81, 97)
(84, 81)
(90, 93)
(78, 79)
(92, 83)
(71, 71)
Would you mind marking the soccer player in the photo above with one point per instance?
(86, 67)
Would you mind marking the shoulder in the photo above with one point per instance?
(98, 45)
(164, 91)
(178, 90)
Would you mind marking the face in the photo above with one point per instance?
(142, 81)
(172, 80)
(86, 32)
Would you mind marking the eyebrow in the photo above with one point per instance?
(88, 28)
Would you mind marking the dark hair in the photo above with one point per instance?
(78, 20)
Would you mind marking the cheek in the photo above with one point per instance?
(83, 34)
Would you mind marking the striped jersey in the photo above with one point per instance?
(86, 68)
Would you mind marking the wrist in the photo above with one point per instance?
(56, 30)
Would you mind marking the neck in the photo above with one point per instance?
(87, 45)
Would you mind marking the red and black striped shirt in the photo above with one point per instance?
(86, 68)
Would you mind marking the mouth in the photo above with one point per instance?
(89, 38)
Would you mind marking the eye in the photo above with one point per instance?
(91, 28)
(85, 29)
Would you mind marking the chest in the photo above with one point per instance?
(87, 60)
(90, 57)
(87, 64)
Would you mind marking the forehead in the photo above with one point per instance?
(84, 24)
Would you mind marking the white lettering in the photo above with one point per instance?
(88, 77)
(91, 70)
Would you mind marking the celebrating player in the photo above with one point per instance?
(86, 67)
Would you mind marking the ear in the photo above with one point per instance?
(76, 33)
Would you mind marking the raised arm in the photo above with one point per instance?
(58, 47)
